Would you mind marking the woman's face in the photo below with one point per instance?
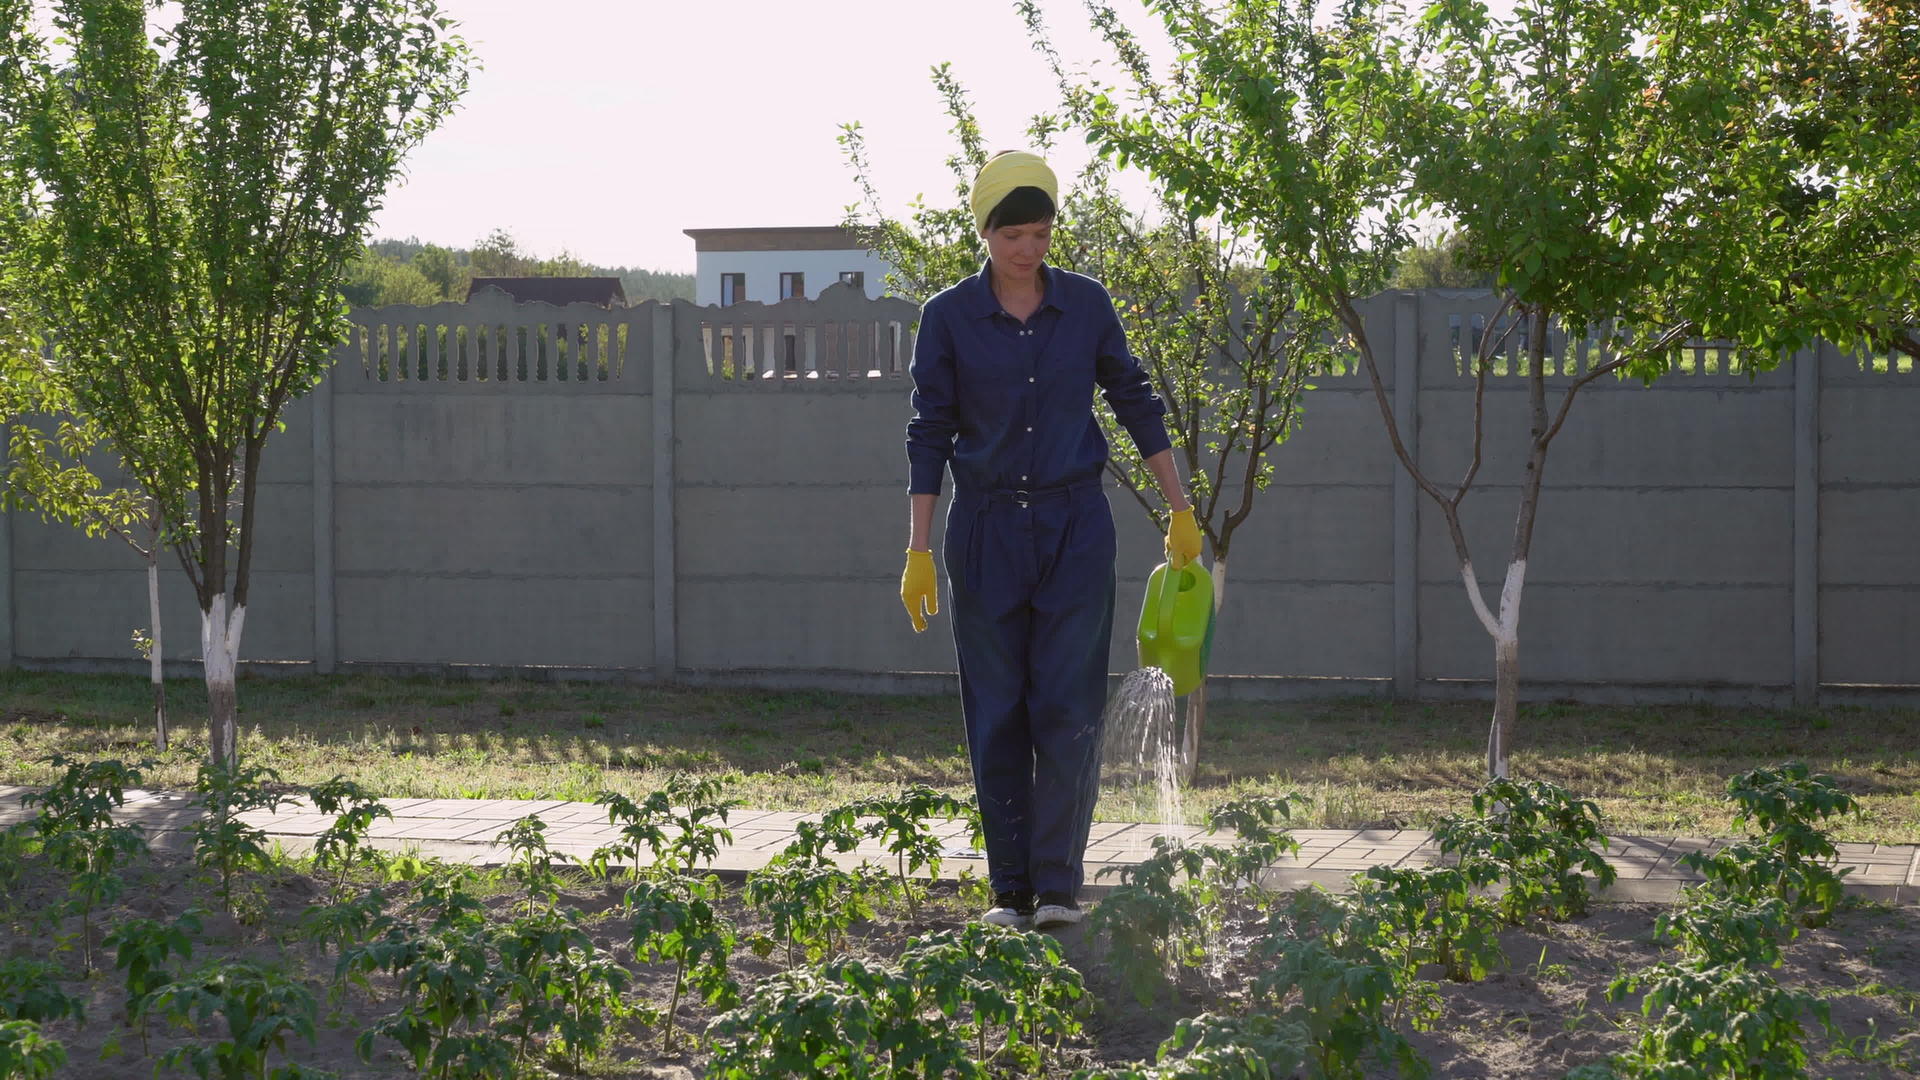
(1017, 250)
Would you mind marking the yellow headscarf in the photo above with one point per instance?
(998, 178)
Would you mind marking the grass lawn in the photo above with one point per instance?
(1653, 770)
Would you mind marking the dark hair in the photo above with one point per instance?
(1022, 206)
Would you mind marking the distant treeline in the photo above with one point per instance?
(412, 272)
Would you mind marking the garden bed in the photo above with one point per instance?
(366, 947)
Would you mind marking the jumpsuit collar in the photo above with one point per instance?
(981, 303)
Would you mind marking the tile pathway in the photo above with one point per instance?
(463, 830)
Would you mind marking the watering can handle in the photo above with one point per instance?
(1169, 592)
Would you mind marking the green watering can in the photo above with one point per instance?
(1176, 624)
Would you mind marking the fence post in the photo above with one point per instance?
(1806, 523)
(664, 365)
(325, 640)
(1406, 506)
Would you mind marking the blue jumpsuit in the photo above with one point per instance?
(1008, 407)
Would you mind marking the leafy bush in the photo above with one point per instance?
(1540, 838)
(447, 997)
(1170, 904)
(677, 827)
(222, 842)
(344, 922)
(1713, 930)
(260, 1009)
(1712, 1022)
(902, 822)
(862, 1019)
(25, 1054)
(1790, 856)
(342, 845)
(850, 1018)
(1260, 841)
(30, 990)
(1215, 1047)
(811, 904)
(1157, 919)
(1430, 915)
(77, 833)
(143, 948)
(561, 989)
(531, 865)
(1339, 1002)
(674, 922)
(992, 978)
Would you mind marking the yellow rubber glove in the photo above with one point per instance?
(1183, 539)
(917, 589)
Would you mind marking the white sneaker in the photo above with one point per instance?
(1056, 910)
(1011, 909)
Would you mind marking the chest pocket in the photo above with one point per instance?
(992, 370)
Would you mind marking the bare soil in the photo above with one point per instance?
(1543, 1013)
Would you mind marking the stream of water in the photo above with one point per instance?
(1140, 750)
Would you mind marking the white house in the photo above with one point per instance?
(774, 264)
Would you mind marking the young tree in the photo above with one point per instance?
(1217, 334)
(191, 207)
(1565, 143)
(49, 443)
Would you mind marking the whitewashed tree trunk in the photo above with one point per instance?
(219, 648)
(155, 653)
(1504, 629)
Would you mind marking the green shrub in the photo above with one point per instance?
(1789, 856)
(1540, 839)
(1724, 1022)
(27, 1055)
(990, 978)
(259, 1010)
(222, 843)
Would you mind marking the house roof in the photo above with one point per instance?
(605, 291)
(777, 238)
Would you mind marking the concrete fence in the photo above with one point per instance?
(717, 495)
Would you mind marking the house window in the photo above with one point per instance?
(793, 286)
(733, 289)
(855, 278)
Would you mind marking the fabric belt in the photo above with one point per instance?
(1021, 497)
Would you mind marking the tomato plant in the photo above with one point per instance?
(342, 845)
(993, 978)
(77, 833)
(1542, 840)
(811, 903)
(902, 822)
(1789, 857)
(850, 1018)
(222, 842)
(143, 948)
(25, 1054)
(1712, 1022)
(674, 922)
(261, 1008)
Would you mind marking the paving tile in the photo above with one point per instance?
(438, 829)
(294, 824)
(463, 830)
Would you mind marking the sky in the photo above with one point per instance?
(605, 127)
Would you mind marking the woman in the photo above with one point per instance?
(1004, 372)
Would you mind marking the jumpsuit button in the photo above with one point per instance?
(1029, 427)
(1029, 378)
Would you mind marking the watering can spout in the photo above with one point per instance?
(1176, 624)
